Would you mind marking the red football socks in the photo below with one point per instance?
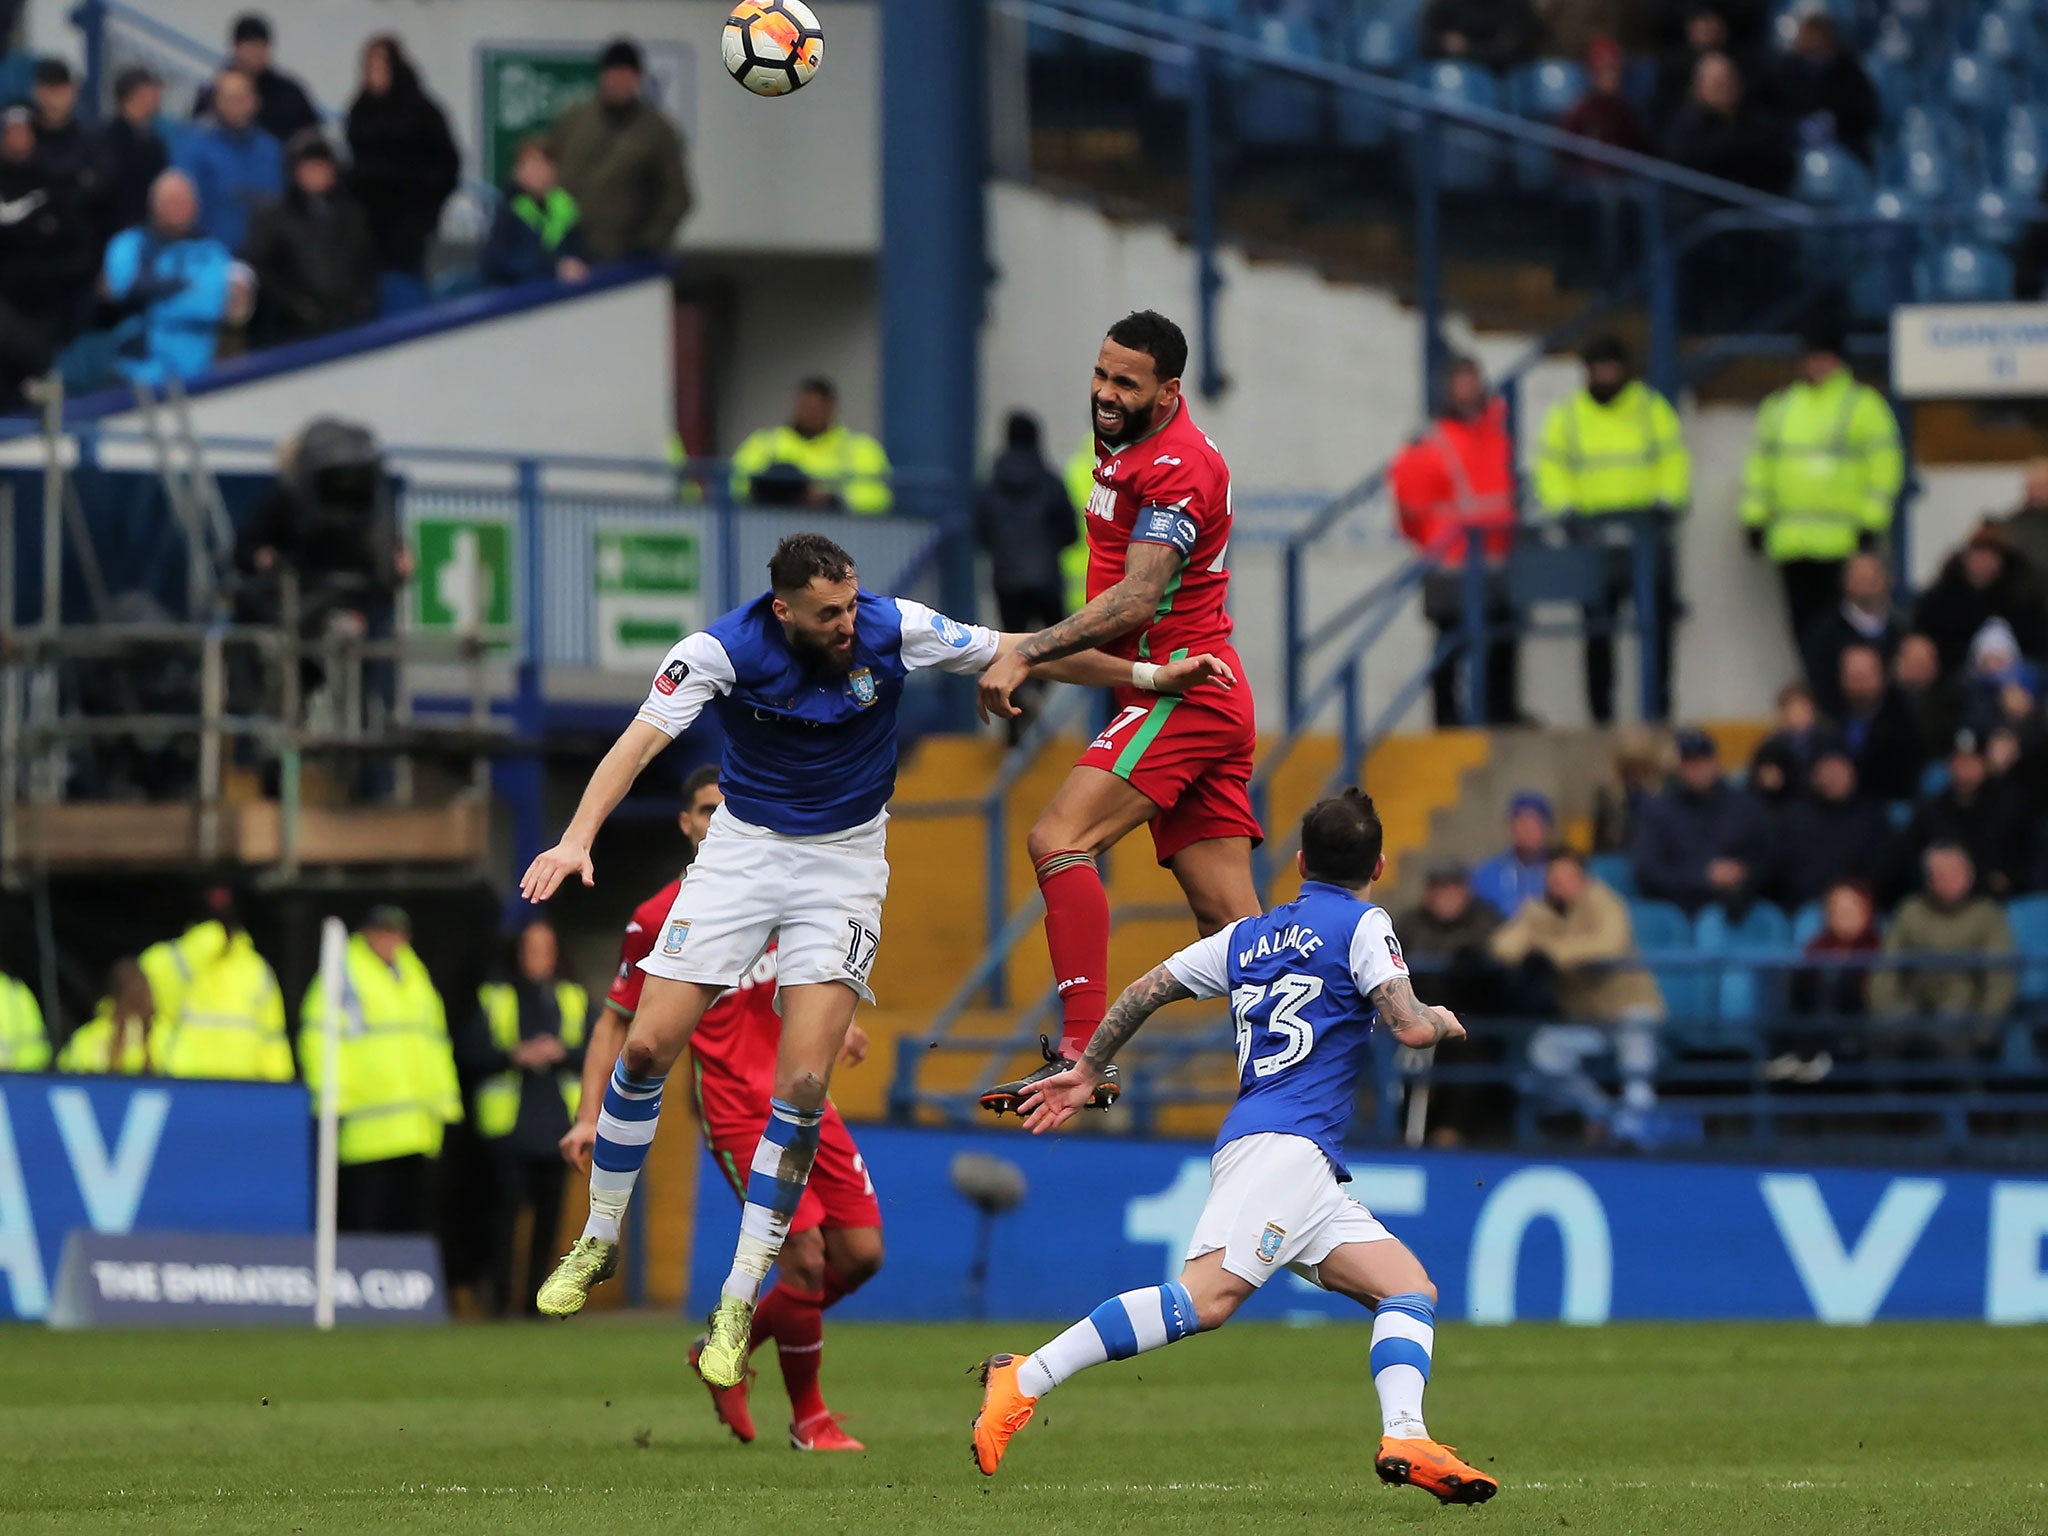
(1077, 934)
(796, 1321)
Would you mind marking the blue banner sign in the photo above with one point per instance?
(207, 1279)
(114, 1155)
(1504, 1238)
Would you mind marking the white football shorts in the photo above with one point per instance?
(819, 897)
(1274, 1202)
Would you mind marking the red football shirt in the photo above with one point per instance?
(739, 1033)
(1169, 487)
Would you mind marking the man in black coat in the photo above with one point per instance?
(42, 254)
(130, 151)
(1863, 617)
(1820, 87)
(1877, 727)
(1702, 840)
(1977, 812)
(1984, 580)
(1025, 519)
(283, 108)
(310, 250)
(1831, 833)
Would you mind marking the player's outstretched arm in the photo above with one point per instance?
(1410, 1020)
(636, 747)
(1058, 1099)
(1148, 567)
(1095, 669)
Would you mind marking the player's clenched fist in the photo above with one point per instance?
(544, 876)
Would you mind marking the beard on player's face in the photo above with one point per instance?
(1121, 420)
(826, 652)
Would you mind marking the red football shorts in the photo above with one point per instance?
(840, 1193)
(1190, 756)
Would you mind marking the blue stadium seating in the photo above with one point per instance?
(1807, 924)
(1543, 92)
(1468, 154)
(1663, 930)
(1741, 990)
(1614, 870)
(1275, 107)
(1933, 779)
(1995, 221)
(1977, 86)
(16, 70)
(1964, 273)
(1830, 174)
(2007, 38)
(1926, 174)
(1387, 36)
(2029, 918)
(1882, 276)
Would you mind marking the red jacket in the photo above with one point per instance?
(1459, 473)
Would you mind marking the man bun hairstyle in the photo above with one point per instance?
(1149, 332)
(803, 558)
(1341, 839)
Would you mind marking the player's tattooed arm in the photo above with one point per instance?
(1410, 1020)
(1147, 569)
(1140, 1000)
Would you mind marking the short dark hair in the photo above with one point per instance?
(802, 558)
(134, 78)
(1149, 332)
(1564, 852)
(1341, 839)
(1607, 348)
(250, 27)
(818, 384)
(700, 779)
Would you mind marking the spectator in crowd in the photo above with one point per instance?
(2000, 685)
(1954, 1011)
(41, 246)
(1823, 478)
(1820, 87)
(1448, 934)
(1639, 771)
(1705, 32)
(813, 460)
(1025, 522)
(218, 1010)
(1773, 781)
(1877, 727)
(63, 148)
(1863, 617)
(1572, 29)
(1977, 813)
(536, 232)
(1831, 833)
(282, 106)
(2026, 526)
(1497, 34)
(1848, 929)
(178, 284)
(524, 1049)
(622, 161)
(1605, 114)
(1702, 840)
(115, 1040)
(1917, 683)
(130, 149)
(1613, 463)
(1983, 580)
(1516, 874)
(395, 1078)
(1580, 930)
(403, 167)
(1721, 131)
(24, 1047)
(1799, 735)
(311, 251)
(1452, 485)
(235, 164)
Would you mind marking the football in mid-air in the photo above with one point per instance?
(773, 46)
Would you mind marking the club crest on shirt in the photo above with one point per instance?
(1394, 953)
(1269, 1242)
(862, 681)
(672, 938)
(951, 631)
(671, 676)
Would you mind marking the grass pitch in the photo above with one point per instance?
(596, 1428)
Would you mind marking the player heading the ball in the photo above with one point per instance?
(806, 679)
(1306, 983)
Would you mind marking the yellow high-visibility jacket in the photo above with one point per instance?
(1625, 456)
(91, 1047)
(1826, 469)
(851, 463)
(497, 1097)
(219, 1012)
(396, 1081)
(24, 1045)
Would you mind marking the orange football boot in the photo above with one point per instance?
(729, 1403)
(1434, 1469)
(1004, 1410)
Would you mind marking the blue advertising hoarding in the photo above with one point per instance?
(115, 1155)
(1584, 1240)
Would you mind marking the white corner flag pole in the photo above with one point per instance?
(333, 957)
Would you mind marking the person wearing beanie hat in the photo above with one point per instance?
(1984, 580)
(1824, 476)
(311, 252)
(1516, 874)
(621, 159)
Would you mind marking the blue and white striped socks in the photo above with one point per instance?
(625, 1130)
(1403, 1336)
(1121, 1327)
(782, 1167)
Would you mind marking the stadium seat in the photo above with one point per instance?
(2029, 918)
(1742, 991)
(1616, 871)
(1386, 40)
(1933, 779)
(1662, 932)
(1964, 273)
(2006, 38)
(1468, 154)
(1275, 106)
(1882, 276)
(1807, 924)
(1995, 222)
(1977, 86)
(1926, 174)
(1829, 174)
(1542, 92)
